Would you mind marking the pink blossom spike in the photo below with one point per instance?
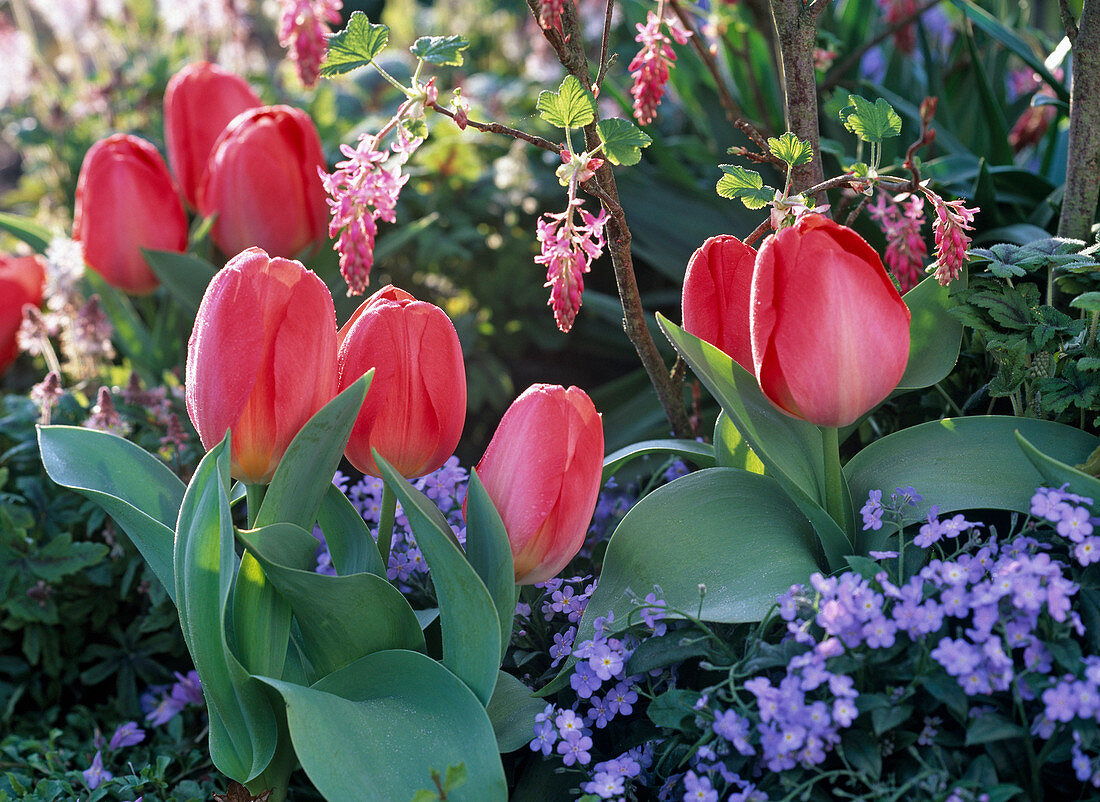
(950, 227)
(650, 67)
(303, 28)
(905, 247)
(568, 251)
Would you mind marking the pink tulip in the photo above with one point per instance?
(716, 296)
(416, 405)
(22, 280)
(830, 333)
(201, 99)
(263, 185)
(125, 201)
(542, 470)
(261, 359)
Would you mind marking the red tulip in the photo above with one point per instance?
(263, 184)
(542, 470)
(125, 201)
(416, 405)
(261, 359)
(201, 99)
(830, 333)
(22, 280)
(716, 296)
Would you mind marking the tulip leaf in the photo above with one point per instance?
(376, 729)
(445, 51)
(700, 454)
(790, 449)
(349, 540)
(757, 544)
(467, 615)
(261, 620)
(26, 230)
(490, 553)
(730, 448)
(511, 710)
(622, 140)
(934, 334)
(737, 182)
(572, 106)
(306, 469)
(243, 728)
(341, 618)
(964, 463)
(871, 122)
(1057, 473)
(103, 467)
(355, 46)
(184, 275)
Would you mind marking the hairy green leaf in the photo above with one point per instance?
(443, 50)
(622, 140)
(737, 182)
(572, 106)
(355, 46)
(871, 122)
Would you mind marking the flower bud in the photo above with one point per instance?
(263, 184)
(201, 99)
(416, 405)
(542, 470)
(261, 359)
(22, 279)
(125, 201)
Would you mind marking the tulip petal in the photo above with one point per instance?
(716, 292)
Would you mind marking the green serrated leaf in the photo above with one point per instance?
(747, 185)
(443, 50)
(622, 140)
(355, 46)
(572, 106)
(791, 149)
(871, 122)
(1089, 301)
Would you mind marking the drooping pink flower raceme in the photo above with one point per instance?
(650, 67)
(952, 222)
(303, 26)
(901, 220)
(568, 250)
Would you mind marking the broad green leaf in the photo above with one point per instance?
(871, 122)
(467, 615)
(572, 106)
(243, 727)
(261, 620)
(934, 334)
(443, 50)
(734, 532)
(512, 711)
(1057, 473)
(992, 726)
(132, 486)
(355, 46)
(791, 149)
(26, 230)
(490, 553)
(790, 449)
(1088, 301)
(747, 185)
(306, 469)
(341, 618)
(622, 140)
(374, 731)
(700, 454)
(349, 540)
(183, 275)
(965, 463)
(730, 448)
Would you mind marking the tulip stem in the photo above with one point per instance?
(254, 497)
(385, 522)
(837, 503)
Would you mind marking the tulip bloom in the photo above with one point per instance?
(716, 296)
(125, 201)
(201, 99)
(261, 359)
(22, 280)
(416, 405)
(542, 470)
(262, 181)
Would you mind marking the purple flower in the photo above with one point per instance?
(188, 689)
(735, 729)
(605, 785)
(621, 699)
(95, 775)
(127, 734)
(1075, 523)
(546, 735)
(698, 789)
(605, 661)
(574, 749)
(872, 511)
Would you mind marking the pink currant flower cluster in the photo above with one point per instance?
(568, 250)
(550, 12)
(905, 38)
(303, 26)
(650, 67)
(950, 226)
(900, 220)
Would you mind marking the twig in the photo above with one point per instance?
(604, 44)
(927, 137)
(497, 128)
(759, 231)
(733, 111)
(853, 58)
(1068, 22)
